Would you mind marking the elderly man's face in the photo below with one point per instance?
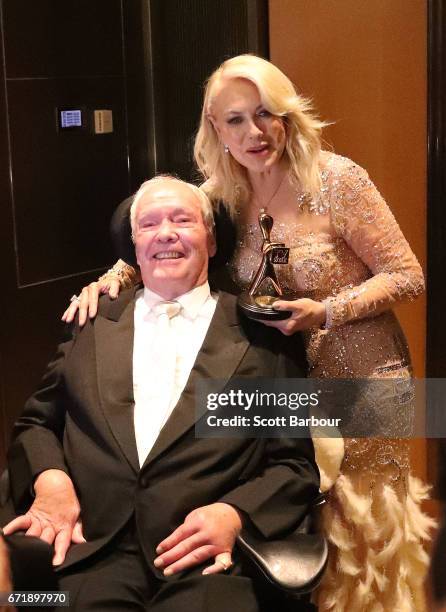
(172, 243)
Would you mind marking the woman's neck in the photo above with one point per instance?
(267, 185)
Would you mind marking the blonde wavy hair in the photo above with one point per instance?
(226, 179)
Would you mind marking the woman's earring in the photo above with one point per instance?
(226, 148)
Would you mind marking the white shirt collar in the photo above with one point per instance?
(191, 302)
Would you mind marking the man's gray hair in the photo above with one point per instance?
(205, 203)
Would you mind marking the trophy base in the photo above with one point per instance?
(259, 307)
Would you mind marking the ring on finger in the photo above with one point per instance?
(225, 566)
(75, 298)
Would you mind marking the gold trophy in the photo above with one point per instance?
(255, 304)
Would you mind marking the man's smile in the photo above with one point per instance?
(168, 255)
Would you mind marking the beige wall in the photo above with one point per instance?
(364, 63)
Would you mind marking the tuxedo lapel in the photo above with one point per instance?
(114, 330)
(223, 348)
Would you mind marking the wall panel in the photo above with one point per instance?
(60, 179)
(60, 189)
(53, 38)
(190, 40)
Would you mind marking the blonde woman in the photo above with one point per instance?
(259, 147)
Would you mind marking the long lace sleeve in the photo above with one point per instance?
(363, 219)
(126, 274)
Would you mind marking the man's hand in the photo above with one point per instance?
(54, 515)
(207, 532)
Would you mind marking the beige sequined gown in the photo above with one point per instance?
(361, 267)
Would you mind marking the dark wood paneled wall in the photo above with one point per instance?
(144, 59)
(189, 40)
(58, 178)
(60, 188)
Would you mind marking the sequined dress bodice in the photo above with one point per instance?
(361, 265)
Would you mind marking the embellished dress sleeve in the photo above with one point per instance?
(122, 272)
(362, 218)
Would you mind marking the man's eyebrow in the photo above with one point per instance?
(183, 211)
(178, 210)
(144, 214)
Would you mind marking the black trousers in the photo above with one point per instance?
(118, 579)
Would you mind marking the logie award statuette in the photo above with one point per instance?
(254, 303)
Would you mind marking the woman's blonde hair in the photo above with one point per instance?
(226, 179)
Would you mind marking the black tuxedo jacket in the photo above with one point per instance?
(81, 421)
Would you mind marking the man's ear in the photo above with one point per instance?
(212, 245)
(136, 254)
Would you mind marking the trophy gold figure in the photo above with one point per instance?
(254, 303)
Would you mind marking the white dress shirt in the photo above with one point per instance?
(156, 397)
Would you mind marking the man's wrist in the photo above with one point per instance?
(236, 514)
(52, 478)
